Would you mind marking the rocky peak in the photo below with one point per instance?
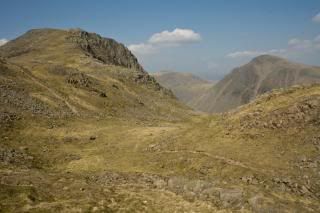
(44, 40)
(105, 49)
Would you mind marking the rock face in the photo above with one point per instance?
(105, 49)
(261, 75)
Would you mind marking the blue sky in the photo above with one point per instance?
(205, 37)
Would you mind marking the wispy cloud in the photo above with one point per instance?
(316, 18)
(299, 44)
(254, 53)
(165, 38)
(294, 45)
(3, 41)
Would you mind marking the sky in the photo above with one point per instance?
(205, 37)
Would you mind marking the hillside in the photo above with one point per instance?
(261, 75)
(185, 86)
(73, 72)
(82, 133)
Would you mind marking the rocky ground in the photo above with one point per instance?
(198, 165)
(81, 135)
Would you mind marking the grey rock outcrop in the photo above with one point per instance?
(105, 49)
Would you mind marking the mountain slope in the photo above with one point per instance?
(185, 86)
(261, 75)
(81, 73)
(225, 162)
(80, 135)
(39, 41)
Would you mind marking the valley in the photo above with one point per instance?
(187, 87)
(84, 128)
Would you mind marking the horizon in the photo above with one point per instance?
(168, 35)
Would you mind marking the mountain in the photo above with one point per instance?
(73, 72)
(38, 41)
(185, 86)
(261, 75)
(85, 129)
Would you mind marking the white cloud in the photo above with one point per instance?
(276, 51)
(143, 49)
(316, 18)
(177, 36)
(299, 44)
(165, 39)
(3, 41)
(295, 45)
(246, 53)
(254, 53)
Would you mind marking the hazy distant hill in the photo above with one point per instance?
(261, 75)
(185, 86)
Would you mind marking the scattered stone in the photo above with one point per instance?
(78, 79)
(304, 190)
(103, 94)
(231, 197)
(23, 148)
(115, 86)
(250, 180)
(177, 183)
(305, 112)
(259, 203)
(15, 157)
(303, 158)
(160, 183)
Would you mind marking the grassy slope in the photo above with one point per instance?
(52, 60)
(158, 157)
(134, 163)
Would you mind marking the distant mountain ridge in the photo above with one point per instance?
(261, 75)
(186, 87)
